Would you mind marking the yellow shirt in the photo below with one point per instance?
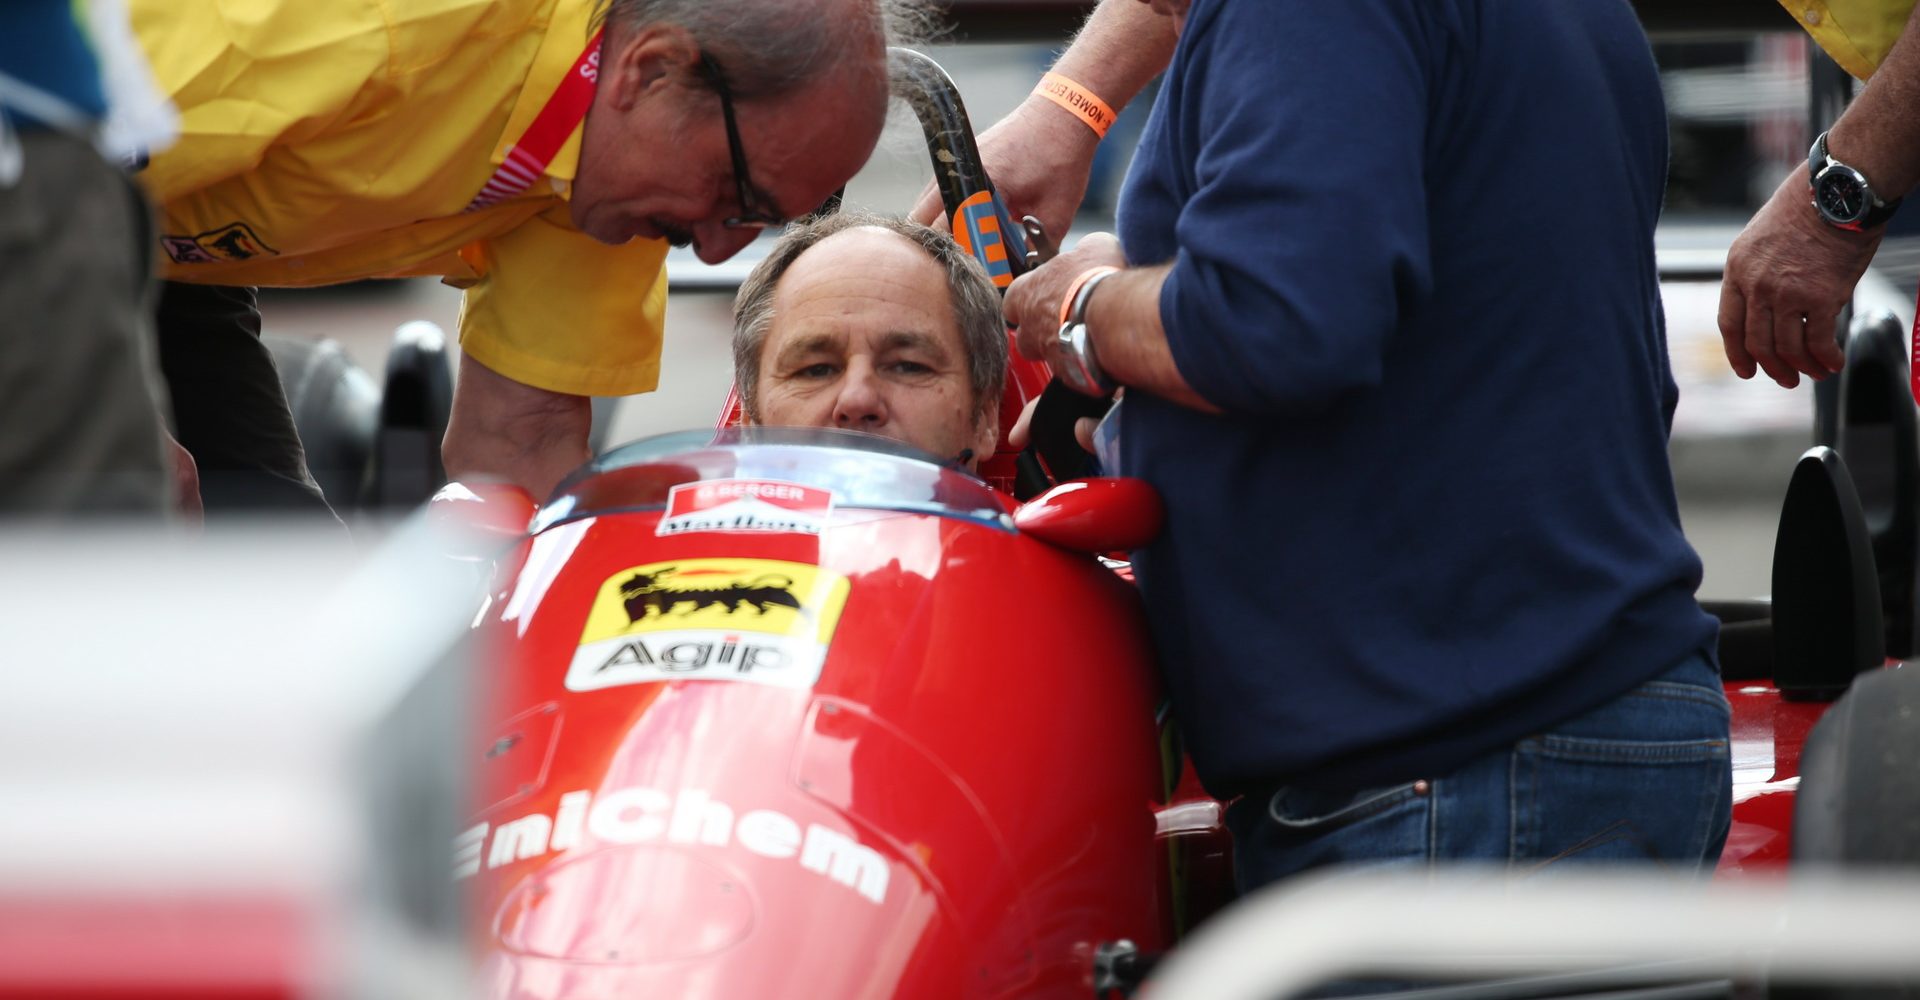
(328, 142)
(1856, 33)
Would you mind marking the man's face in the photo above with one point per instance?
(864, 338)
(654, 156)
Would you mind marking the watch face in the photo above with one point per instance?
(1842, 195)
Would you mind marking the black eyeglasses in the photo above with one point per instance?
(755, 211)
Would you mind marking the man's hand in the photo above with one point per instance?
(1040, 155)
(502, 429)
(1022, 431)
(1788, 275)
(1039, 158)
(1034, 300)
(186, 482)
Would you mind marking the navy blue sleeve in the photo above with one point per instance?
(1307, 228)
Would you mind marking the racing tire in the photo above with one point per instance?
(1859, 800)
(1880, 439)
(415, 404)
(336, 408)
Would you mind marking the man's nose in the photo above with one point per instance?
(859, 406)
(713, 242)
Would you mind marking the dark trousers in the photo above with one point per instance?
(229, 410)
(79, 409)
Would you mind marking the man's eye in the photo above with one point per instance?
(910, 368)
(819, 370)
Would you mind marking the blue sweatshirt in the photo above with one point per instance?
(42, 46)
(1412, 259)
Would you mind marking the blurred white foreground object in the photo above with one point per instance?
(1628, 927)
(198, 766)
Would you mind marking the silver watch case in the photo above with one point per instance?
(1078, 367)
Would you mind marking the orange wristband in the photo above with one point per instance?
(1080, 281)
(1079, 100)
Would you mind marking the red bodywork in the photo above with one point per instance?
(952, 807)
(1768, 732)
(962, 804)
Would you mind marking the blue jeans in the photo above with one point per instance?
(1645, 777)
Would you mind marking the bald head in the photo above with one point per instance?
(772, 46)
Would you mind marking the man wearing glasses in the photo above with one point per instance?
(538, 154)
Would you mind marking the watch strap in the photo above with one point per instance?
(1878, 211)
(1080, 364)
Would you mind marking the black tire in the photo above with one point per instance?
(1859, 796)
(415, 402)
(336, 408)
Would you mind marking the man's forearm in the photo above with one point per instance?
(1879, 134)
(1120, 49)
(1123, 320)
(501, 429)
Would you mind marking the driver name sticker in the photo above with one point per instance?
(758, 621)
(746, 505)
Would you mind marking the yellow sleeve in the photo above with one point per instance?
(556, 310)
(1856, 33)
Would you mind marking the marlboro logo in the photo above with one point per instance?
(746, 505)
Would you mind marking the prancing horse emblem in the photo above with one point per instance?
(647, 597)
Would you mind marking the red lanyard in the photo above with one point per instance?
(528, 158)
(1913, 354)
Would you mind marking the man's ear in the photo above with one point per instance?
(986, 432)
(646, 60)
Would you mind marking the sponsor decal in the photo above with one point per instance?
(976, 227)
(746, 505)
(647, 815)
(759, 621)
(234, 241)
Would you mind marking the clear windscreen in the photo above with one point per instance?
(863, 471)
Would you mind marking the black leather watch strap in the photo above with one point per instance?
(1819, 161)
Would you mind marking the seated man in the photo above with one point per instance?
(873, 324)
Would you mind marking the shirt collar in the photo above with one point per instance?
(567, 33)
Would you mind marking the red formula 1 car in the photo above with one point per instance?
(763, 731)
(805, 713)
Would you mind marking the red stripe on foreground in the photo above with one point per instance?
(157, 949)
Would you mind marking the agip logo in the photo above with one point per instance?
(758, 621)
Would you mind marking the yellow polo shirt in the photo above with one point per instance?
(1856, 33)
(328, 142)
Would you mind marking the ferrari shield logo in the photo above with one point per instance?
(758, 621)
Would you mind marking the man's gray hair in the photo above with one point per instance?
(976, 305)
(769, 47)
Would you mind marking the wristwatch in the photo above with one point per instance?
(1079, 367)
(1841, 194)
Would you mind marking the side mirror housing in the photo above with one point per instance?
(480, 520)
(1102, 514)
